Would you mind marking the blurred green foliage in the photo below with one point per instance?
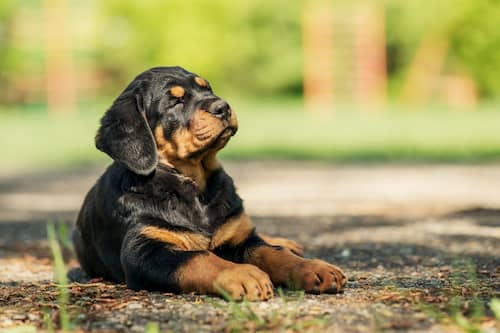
(248, 47)
(7, 15)
(470, 28)
(255, 46)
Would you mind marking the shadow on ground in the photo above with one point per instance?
(395, 265)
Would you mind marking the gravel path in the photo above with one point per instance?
(420, 245)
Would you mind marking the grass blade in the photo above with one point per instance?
(60, 276)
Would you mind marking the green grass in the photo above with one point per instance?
(54, 237)
(389, 135)
(242, 317)
(33, 140)
(277, 129)
(464, 302)
(152, 328)
(60, 276)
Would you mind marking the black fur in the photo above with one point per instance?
(150, 215)
(108, 241)
(125, 132)
(125, 135)
(136, 191)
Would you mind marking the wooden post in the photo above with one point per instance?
(317, 29)
(60, 76)
(369, 53)
(425, 70)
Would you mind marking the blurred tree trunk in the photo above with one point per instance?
(425, 70)
(369, 53)
(344, 53)
(317, 28)
(60, 76)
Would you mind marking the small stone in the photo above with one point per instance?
(33, 317)
(6, 322)
(134, 306)
(346, 253)
(19, 317)
(137, 328)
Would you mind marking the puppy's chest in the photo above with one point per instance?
(209, 228)
(207, 220)
(214, 212)
(231, 233)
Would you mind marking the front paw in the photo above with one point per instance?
(244, 281)
(317, 276)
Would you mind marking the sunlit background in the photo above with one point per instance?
(369, 132)
(343, 81)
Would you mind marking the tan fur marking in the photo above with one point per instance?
(293, 246)
(199, 273)
(199, 81)
(207, 273)
(177, 91)
(278, 263)
(234, 231)
(176, 149)
(286, 268)
(166, 149)
(181, 240)
(210, 163)
(175, 152)
(206, 124)
(183, 139)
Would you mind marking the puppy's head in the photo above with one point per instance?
(165, 114)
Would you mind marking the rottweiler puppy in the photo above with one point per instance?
(166, 216)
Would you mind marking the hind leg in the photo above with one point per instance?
(85, 254)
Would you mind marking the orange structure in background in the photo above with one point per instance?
(344, 58)
(427, 79)
(317, 28)
(60, 76)
(54, 41)
(344, 53)
(424, 71)
(369, 54)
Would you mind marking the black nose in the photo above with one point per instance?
(220, 109)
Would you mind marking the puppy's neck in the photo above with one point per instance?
(198, 170)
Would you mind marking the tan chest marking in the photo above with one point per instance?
(233, 232)
(180, 240)
(174, 154)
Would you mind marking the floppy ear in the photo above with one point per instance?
(126, 136)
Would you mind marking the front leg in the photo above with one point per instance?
(156, 258)
(237, 240)
(207, 273)
(287, 269)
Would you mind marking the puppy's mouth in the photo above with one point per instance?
(227, 133)
(217, 141)
(220, 140)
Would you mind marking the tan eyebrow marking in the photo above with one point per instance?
(177, 91)
(200, 81)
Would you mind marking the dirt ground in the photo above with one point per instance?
(420, 244)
